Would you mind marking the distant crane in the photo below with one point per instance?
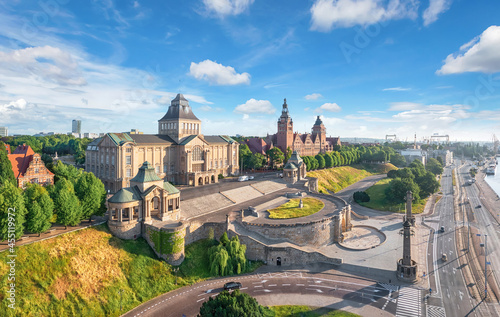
(436, 137)
(495, 144)
(390, 137)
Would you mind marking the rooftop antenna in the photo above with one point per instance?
(415, 142)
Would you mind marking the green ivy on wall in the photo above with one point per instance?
(166, 242)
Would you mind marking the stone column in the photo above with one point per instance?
(131, 213)
(110, 216)
(409, 198)
(406, 244)
(120, 216)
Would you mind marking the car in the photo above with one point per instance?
(444, 257)
(442, 229)
(232, 285)
(242, 178)
(251, 177)
(478, 206)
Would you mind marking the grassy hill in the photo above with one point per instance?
(81, 274)
(337, 178)
(378, 200)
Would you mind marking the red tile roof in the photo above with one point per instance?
(20, 163)
(7, 147)
(24, 149)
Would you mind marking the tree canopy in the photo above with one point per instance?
(234, 304)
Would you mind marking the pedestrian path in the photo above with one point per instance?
(389, 287)
(435, 311)
(409, 302)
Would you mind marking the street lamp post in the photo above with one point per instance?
(121, 295)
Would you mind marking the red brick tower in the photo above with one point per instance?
(285, 129)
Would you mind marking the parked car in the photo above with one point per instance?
(232, 285)
(251, 177)
(444, 257)
(242, 178)
(442, 229)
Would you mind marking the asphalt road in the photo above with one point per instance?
(485, 222)
(347, 289)
(449, 289)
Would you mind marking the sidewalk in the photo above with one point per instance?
(54, 231)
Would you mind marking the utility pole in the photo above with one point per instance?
(120, 292)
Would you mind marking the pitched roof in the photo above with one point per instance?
(318, 121)
(218, 139)
(7, 147)
(24, 149)
(146, 174)
(170, 188)
(151, 139)
(290, 166)
(120, 138)
(126, 195)
(187, 139)
(19, 163)
(179, 109)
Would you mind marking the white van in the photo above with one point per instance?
(242, 178)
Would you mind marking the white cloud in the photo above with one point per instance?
(255, 106)
(207, 108)
(396, 89)
(328, 14)
(227, 7)
(218, 74)
(436, 7)
(332, 107)
(48, 63)
(314, 96)
(479, 55)
(404, 106)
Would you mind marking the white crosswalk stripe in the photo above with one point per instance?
(409, 302)
(435, 311)
(389, 287)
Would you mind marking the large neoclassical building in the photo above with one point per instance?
(179, 153)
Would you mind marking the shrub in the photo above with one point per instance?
(361, 197)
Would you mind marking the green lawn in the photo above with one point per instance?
(291, 209)
(338, 178)
(82, 274)
(306, 311)
(379, 202)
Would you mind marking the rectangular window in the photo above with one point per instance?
(128, 160)
(157, 169)
(113, 160)
(102, 158)
(165, 168)
(107, 159)
(129, 172)
(129, 150)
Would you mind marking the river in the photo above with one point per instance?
(494, 180)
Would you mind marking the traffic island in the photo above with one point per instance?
(362, 238)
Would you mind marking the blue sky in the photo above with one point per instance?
(368, 67)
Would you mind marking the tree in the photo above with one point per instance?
(396, 191)
(434, 166)
(440, 160)
(392, 174)
(288, 154)
(245, 154)
(428, 184)
(321, 160)
(328, 160)
(92, 195)
(68, 172)
(6, 173)
(12, 212)
(361, 197)
(66, 203)
(233, 304)
(40, 208)
(256, 161)
(276, 156)
(398, 160)
(228, 257)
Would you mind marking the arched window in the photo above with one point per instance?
(197, 153)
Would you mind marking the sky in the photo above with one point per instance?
(369, 68)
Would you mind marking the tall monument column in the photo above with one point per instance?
(409, 217)
(406, 267)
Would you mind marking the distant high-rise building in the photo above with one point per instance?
(77, 126)
(4, 131)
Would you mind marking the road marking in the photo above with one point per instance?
(258, 286)
(285, 284)
(199, 300)
(271, 285)
(315, 289)
(243, 288)
(299, 284)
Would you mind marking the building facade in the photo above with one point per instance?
(4, 131)
(28, 167)
(76, 126)
(306, 144)
(179, 153)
